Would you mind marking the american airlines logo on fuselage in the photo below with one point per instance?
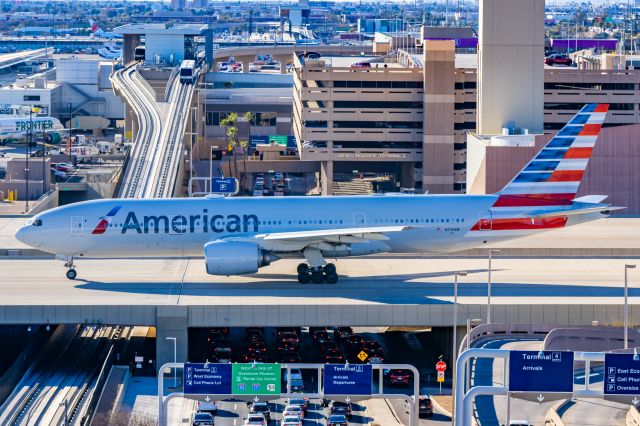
(195, 223)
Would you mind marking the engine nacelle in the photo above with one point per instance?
(235, 257)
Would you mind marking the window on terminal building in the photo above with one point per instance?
(378, 104)
(467, 125)
(31, 98)
(377, 124)
(315, 124)
(465, 105)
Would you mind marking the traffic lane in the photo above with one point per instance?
(493, 410)
(600, 412)
(402, 412)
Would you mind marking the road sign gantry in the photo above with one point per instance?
(257, 381)
(526, 386)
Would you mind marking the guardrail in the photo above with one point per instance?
(484, 331)
(100, 381)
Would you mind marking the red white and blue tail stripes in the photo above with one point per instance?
(102, 226)
(552, 177)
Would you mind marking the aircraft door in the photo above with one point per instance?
(359, 219)
(77, 225)
(485, 221)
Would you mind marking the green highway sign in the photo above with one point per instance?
(255, 379)
(279, 139)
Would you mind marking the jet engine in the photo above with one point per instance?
(235, 257)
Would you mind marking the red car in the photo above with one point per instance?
(398, 377)
(558, 59)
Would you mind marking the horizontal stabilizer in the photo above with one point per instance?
(586, 210)
(594, 199)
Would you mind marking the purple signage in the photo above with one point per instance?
(583, 43)
(461, 42)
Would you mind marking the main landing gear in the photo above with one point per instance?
(317, 270)
(317, 275)
(71, 272)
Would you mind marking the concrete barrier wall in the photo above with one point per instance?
(599, 339)
(633, 417)
(553, 418)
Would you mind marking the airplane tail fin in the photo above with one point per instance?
(94, 26)
(553, 176)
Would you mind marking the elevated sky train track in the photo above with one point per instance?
(56, 388)
(152, 170)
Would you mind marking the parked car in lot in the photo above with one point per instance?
(202, 419)
(337, 420)
(558, 59)
(425, 406)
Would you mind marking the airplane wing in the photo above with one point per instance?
(336, 235)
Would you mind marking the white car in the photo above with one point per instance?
(208, 407)
(293, 411)
(291, 421)
(255, 420)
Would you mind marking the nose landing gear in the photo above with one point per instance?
(71, 272)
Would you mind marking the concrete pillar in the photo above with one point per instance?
(208, 47)
(326, 177)
(246, 63)
(135, 126)
(283, 62)
(172, 321)
(438, 122)
(129, 44)
(406, 175)
(511, 65)
(128, 133)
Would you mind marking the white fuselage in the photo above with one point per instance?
(182, 226)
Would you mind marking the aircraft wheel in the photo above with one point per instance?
(303, 268)
(317, 276)
(331, 277)
(71, 274)
(304, 278)
(330, 268)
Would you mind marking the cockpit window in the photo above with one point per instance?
(37, 222)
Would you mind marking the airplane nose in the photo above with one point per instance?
(25, 235)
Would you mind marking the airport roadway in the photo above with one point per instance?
(364, 281)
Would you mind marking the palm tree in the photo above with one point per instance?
(231, 134)
(250, 117)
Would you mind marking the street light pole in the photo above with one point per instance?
(175, 370)
(626, 307)
(454, 352)
(491, 253)
(26, 181)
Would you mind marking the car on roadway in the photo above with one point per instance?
(214, 336)
(519, 423)
(289, 337)
(329, 346)
(290, 357)
(261, 408)
(257, 348)
(398, 377)
(337, 420)
(339, 407)
(334, 358)
(320, 336)
(293, 410)
(355, 342)
(361, 65)
(295, 374)
(425, 406)
(371, 346)
(558, 59)
(58, 175)
(256, 420)
(251, 358)
(64, 167)
(208, 407)
(254, 334)
(291, 421)
(302, 402)
(202, 419)
(342, 333)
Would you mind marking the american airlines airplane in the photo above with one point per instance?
(240, 235)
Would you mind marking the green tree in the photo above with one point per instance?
(231, 135)
(250, 118)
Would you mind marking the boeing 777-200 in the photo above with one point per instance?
(240, 235)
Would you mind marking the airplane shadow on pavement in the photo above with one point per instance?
(398, 289)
